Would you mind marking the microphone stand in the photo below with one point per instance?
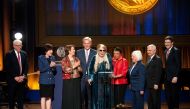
(104, 83)
(106, 86)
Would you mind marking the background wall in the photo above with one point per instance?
(98, 17)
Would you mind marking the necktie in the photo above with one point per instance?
(86, 55)
(167, 54)
(149, 59)
(19, 62)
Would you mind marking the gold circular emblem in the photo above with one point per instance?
(133, 7)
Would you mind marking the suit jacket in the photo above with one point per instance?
(46, 72)
(12, 66)
(173, 63)
(153, 72)
(84, 64)
(137, 77)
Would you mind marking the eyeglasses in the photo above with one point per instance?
(19, 45)
(102, 50)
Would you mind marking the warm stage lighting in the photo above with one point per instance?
(33, 79)
(18, 36)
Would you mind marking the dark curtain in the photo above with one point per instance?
(98, 17)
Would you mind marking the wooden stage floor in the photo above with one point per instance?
(37, 106)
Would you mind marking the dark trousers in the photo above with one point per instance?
(119, 93)
(154, 101)
(16, 93)
(172, 95)
(138, 100)
(85, 94)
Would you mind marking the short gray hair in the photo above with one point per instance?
(87, 38)
(17, 42)
(138, 54)
(152, 46)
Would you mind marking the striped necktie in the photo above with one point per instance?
(19, 62)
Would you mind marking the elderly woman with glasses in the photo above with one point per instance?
(100, 70)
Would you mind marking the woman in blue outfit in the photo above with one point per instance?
(137, 80)
(46, 64)
(99, 77)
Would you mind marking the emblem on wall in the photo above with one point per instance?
(133, 7)
(61, 52)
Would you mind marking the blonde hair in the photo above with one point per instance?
(99, 60)
(101, 46)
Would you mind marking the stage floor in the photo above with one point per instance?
(37, 106)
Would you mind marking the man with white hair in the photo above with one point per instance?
(153, 77)
(137, 80)
(16, 66)
(85, 55)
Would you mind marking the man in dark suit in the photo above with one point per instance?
(153, 76)
(16, 65)
(172, 69)
(85, 55)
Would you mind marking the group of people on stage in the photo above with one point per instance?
(92, 79)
